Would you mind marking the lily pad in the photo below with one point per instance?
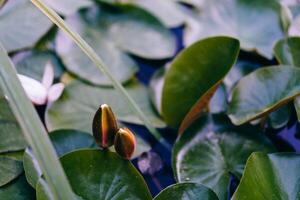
(64, 141)
(32, 63)
(79, 102)
(22, 25)
(194, 76)
(169, 12)
(212, 149)
(184, 191)
(96, 175)
(270, 176)
(287, 51)
(235, 18)
(68, 7)
(259, 93)
(18, 189)
(11, 138)
(114, 30)
(9, 170)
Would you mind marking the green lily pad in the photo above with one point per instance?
(22, 25)
(169, 12)
(194, 76)
(96, 175)
(79, 102)
(218, 102)
(184, 191)
(259, 93)
(114, 30)
(212, 149)
(18, 189)
(270, 176)
(235, 18)
(32, 63)
(68, 7)
(9, 170)
(64, 141)
(11, 138)
(287, 51)
(280, 117)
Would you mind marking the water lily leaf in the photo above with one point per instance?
(64, 141)
(68, 7)
(169, 12)
(218, 102)
(22, 25)
(234, 18)
(33, 63)
(287, 51)
(9, 170)
(193, 78)
(96, 175)
(212, 149)
(18, 189)
(79, 102)
(114, 30)
(259, 93)
(280, 117)
(272, 176)
(11, 138)
(238, 71)
(183, 191)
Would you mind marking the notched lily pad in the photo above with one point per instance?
(262, 92)
(212, 149)
(193, 78)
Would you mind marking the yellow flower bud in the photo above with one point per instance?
(105, 126)
(125, 143)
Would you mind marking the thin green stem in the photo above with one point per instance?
(87, 49)
(33, 130)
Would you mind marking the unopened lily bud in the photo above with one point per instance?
(125, 143)
(105, 126)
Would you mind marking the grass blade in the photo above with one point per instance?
(33, 130)
(87, 49)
